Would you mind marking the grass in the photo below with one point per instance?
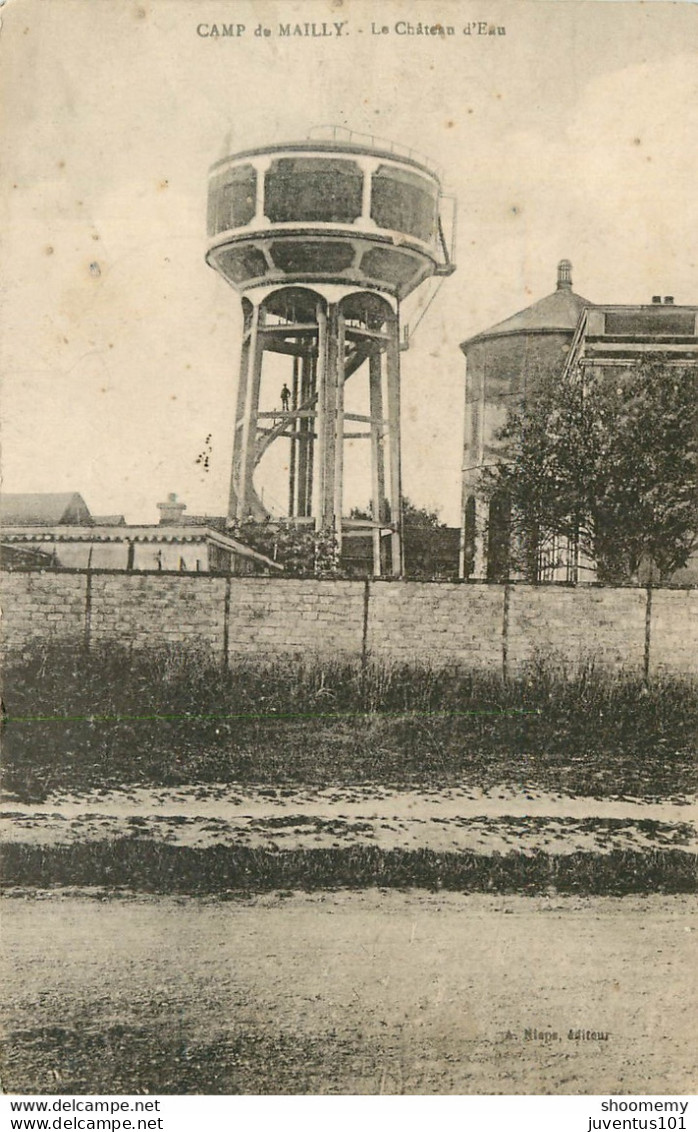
(157, 1057)
(173, 717)
(155, 867)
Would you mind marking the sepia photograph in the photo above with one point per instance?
(349, 552)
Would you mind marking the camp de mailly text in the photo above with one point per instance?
(325, 30)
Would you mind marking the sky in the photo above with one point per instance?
(571, 136)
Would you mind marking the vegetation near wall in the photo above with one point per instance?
(608, 461)
(172, 716)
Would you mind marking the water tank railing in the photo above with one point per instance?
(448, 228)
(331, 132)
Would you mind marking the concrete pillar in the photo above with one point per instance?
(377, 453)
(395, 498)
(249, 423)
(245, 413)
(338, 503)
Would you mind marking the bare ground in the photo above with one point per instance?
(349, 992)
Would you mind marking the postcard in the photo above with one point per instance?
(350, 550)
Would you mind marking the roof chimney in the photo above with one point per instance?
(656, 298)
(564, 275)
(171, 511)
(669, 299)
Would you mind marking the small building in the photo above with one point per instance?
(431, 553)
(57, 530)
(194, 549)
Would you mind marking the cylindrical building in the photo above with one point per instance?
(503, 365)
(323, 239)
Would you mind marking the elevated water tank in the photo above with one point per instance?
(325, 211)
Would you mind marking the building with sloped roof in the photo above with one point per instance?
(612, 339)
(504, 364)
(109, 520)
(560, 333)
(43, 509)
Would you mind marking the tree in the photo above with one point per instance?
(430, 547)
(610, 463)
(412, 516)
(420, 518)
(302, 551)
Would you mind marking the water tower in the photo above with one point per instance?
(323, 239)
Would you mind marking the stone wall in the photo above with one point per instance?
(436, 622)
(157, 608)
(570, 625)
(303, 617)
(674, 635)
(475, 625)
(38, 606)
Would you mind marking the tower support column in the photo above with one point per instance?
(377, 454)
(249, 422)
(328, 383)
(293, 455)
(395, 500)
(327, 339)
(246, 414)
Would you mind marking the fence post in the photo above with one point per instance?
(88, 608)
(364, 629)
(226, 624)
(648, 633)
(505, 632)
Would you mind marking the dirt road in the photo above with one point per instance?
(499, 820)
(349, 992)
